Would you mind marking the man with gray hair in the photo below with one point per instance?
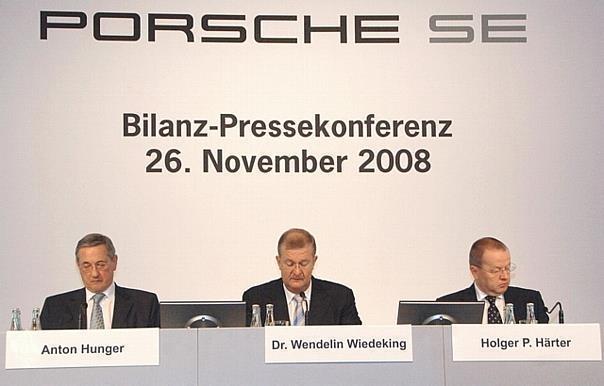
(101, 304)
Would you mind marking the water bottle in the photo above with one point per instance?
(35, 319)
(509, 314)
(530, 314)
(256, 319)
(270, 317)
(15, 320)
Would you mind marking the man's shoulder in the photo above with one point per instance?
(329, 286)
(134, 293)
(519, 291)
(465, 294)
(66, 296)
(268, 286)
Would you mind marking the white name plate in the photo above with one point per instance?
(527, 342)
(311, 344)
(82, 348)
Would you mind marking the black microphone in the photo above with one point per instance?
(82, 325)
(560, 312)
(305, 307)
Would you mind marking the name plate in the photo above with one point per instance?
(312, 344)
(527, 342)
(82, 348)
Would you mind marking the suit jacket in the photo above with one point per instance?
(518, 296)
(330, 303)
(132, 309)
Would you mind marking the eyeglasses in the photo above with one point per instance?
(499, 270)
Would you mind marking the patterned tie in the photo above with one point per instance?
(493, 316)
(299, 311)
(96, 319)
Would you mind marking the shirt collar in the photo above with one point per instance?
(290, 295)
(109, 292)
(480, 296)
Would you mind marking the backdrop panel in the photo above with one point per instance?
(509, 94)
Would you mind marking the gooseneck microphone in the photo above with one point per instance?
(305, 307)
(560, 312)
(82, 325)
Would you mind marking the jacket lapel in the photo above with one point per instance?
(280, 302)
(121, 309)
(319, 303)
(512, 296)
(73, 309)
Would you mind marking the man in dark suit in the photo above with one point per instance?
(298, 296)
(101, 303)
(490, 265)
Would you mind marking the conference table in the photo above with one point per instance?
(235, 356)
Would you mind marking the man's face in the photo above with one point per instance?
(96, 268)
(296, 267)
(493, 276)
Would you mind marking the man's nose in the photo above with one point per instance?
(297, 269)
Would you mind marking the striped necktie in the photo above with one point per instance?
(299, 311)
(96, 318)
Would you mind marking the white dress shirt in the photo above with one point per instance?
(107, 305)
(291, 303)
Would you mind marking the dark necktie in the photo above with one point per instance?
(493, 315)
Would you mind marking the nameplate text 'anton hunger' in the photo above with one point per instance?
(82, 348)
